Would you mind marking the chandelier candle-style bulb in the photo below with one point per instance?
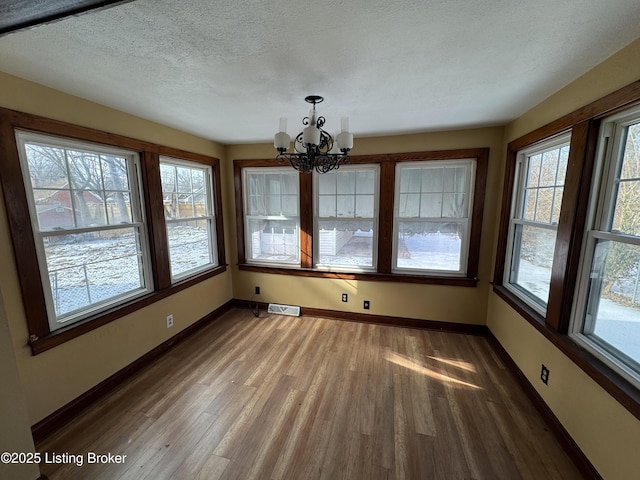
(282, 140)
(314, 148)
(311, 135)
(345, 141)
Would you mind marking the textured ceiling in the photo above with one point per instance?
(229, 69)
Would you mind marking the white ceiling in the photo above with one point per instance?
(229, 69)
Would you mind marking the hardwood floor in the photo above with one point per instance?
(310, 398)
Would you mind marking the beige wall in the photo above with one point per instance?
(427, 302)
(54, 378)
(605, 431)
(15, 435)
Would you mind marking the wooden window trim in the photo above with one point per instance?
(584, 124)
(387, 164)
(22, 235)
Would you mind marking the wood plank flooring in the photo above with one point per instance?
(311, 398)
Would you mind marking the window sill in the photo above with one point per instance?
(91, 323)
(370, 277)
(612, 382)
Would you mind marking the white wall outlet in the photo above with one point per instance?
(169, 321)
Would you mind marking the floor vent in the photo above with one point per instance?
(284, 309)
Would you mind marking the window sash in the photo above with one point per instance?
(591, 276)
(288, 253)
(208, 215)
(528, 180)
(321, 195)
(464, 218)
(137, 225)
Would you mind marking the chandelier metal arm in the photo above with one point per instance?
(307, 157)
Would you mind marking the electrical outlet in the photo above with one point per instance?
(544, 375)
(257, 291)
(169, 321)
(366, 304)
(345, 297)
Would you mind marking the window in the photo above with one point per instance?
(606, 318)
(535, 211)
(345, 220)
(90, 238)
(189, 215)
(432, 216)
(86, 211)
(272, 225)
(342, 224)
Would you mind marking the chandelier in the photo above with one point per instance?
(314, 148)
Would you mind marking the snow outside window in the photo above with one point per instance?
(189, 215)
(345, 219)
(607, 315)
(432, 216)
(272, 221)
(86, 213)
(535, 210)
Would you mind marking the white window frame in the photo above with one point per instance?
(139, 226)
(376, 212)
(599, 227)
(471, 165)
(209, 216)
(247, 218)
(515, 216)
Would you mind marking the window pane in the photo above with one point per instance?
(365, 206)
(530, 201)
(365, 181)
(47, 166)
(549, 168)
(90, 268)
(614, 302)
(345, 205)
(118, 207)
(533, 171)
(274, 240)
(532, 259)
(346, 243)
(432, 180)
(409, 205)
(327, 206)
(290, 205)
(116, 176)
(346, 182)
(545, 205)
(453, 205)
(327, 184)
(431, 205)
(410, 180)
(189, 245)
(626, 218)
(429, 245)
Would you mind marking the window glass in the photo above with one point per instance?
(272, 224)
(188, 210)
(88, 225)
(607, 319)
(536, 206)
(346, 220)
(431, 221)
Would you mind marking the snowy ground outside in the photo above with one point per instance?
(618, 325)
(79, 279)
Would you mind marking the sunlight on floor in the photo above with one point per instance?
(411, 364)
